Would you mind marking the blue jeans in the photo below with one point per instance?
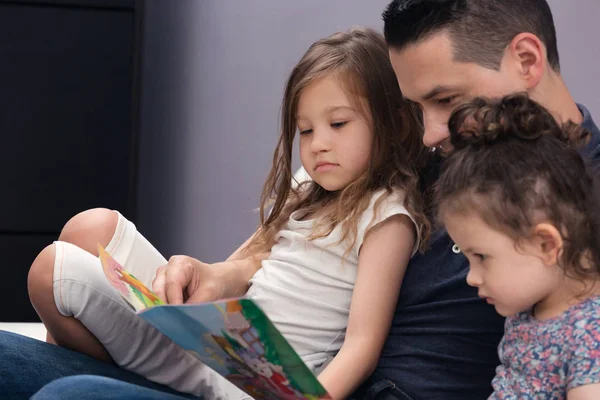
(84, 387)
(28, 365)
(81, 387)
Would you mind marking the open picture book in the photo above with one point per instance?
(233, 337)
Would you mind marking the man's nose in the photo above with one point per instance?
(436, 129)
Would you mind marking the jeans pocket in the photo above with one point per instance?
(384, 389)
(394, 393)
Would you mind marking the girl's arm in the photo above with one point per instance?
(239, 267)
(587, 392)
(240, 254)
(382, 261)
(186, 279)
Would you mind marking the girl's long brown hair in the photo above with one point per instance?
(360, 59)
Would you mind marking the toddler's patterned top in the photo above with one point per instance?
(545, 359)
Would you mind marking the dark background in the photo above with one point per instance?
(69, 95)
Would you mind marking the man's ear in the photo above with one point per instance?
(527, 54)
(548, 243)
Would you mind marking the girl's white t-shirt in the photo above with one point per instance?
(305, 286)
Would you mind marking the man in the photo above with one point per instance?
(443, 341)
(442, 344)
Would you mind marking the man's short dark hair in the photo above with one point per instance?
(479, 29)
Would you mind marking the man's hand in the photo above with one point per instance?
(187, 280)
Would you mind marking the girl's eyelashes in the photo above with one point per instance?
(334, 125)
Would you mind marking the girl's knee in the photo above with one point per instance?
(40, 277)
(90, 227)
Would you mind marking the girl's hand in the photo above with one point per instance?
(188, 280)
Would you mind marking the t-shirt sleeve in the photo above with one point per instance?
(392, 205)
(584, 365)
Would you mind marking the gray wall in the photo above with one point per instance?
(213, 79)
(579, 49)
(212, 84)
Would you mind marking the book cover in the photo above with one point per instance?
(233, 337)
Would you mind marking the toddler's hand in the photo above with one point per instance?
(187, 280)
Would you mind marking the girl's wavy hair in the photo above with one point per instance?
(515, 166)
(359, 58)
